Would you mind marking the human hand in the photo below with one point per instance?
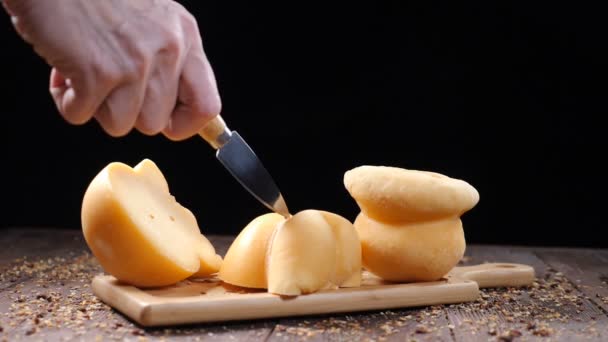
(127, 63)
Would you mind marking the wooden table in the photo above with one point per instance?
(45, 295)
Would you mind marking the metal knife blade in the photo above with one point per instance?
(241, 161)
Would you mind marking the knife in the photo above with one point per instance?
(240, 160)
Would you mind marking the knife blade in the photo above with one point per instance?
(244, 165)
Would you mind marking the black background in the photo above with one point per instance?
(505, 96)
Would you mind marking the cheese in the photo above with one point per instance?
(423, 251)
(302, 255)
(308, 252)
(245, 261)
(392, 194)
(409, 224)
(137, 230)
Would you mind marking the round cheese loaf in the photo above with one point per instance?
(307, 252)
(409, 224)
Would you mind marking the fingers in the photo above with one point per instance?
(198, 98)
(143, 100)
(118, 114)
(118, 90)
(76, 101)
(159, 101)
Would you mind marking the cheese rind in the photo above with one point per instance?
(347, 271)
(310, 251)
(423, 251)
(392, 194)
(409, 224)
(138, 232)
(302, 256)
(245, 261)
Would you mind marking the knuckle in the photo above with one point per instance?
(130, 63)
(172, 136)
(189, 23)
(115, 118)
(112, 131)
(114, 128)
(71, 111)
(187, 20)
(190, 19)
(177, 134)
(149, 126)
(117, 133)
(173, 44)
(137, 66)
(208, 109)
(133, 55)
(73, 118)
(104, 73)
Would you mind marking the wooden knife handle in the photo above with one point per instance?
(215, 132)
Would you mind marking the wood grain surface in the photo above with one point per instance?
(45, 295)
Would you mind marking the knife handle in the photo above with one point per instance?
(215, 132)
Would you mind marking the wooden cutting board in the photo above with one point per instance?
(211, 300)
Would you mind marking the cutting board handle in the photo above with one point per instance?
(496, 274)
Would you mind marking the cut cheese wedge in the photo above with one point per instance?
(245, 261)
(308, 252)
(302, 256)
(137, 230)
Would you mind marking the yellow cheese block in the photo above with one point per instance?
(245, 261)
(302, 256)
(137, 230)
(409, 225)
(423, 251)
(310, 251)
